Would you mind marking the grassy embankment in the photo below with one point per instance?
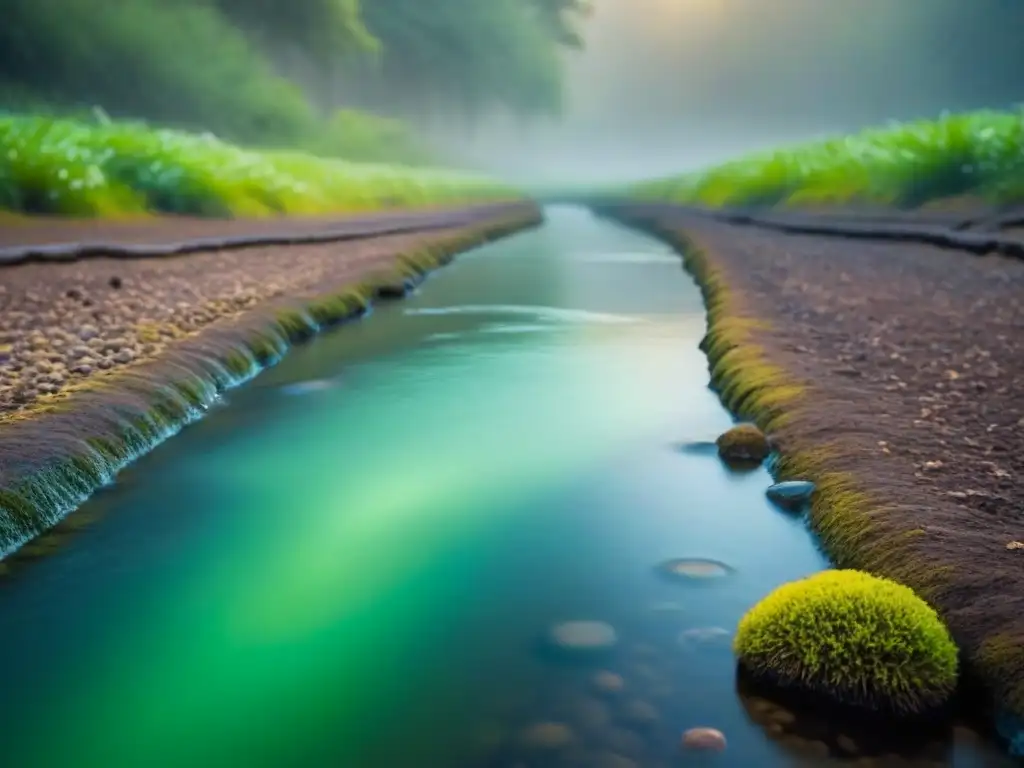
(978, 155)
(118, 169)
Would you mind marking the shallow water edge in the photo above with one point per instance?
(54, 457)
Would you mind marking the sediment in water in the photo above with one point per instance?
(868, 512)
(55, 453)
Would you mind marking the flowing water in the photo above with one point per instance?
(350, 562)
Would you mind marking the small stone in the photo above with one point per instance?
(791, 494)
(609, 683)
(705, 739)
(583, 635)
(124, 356)
(744, 443)
(82, 370)
(547, 737)
(690, 568)
(932, 466)
(1015, 545)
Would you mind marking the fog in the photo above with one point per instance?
(670, 85)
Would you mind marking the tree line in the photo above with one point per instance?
(276, 71)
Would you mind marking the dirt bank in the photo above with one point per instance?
(893, 376)
(102, 359)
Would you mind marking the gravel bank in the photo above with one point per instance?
(100, 360)
(893, 375)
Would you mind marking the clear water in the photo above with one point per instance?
(349, 564)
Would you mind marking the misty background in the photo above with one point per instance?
(671, 85)
(537, 91)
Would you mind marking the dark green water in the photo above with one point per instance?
(353, 572)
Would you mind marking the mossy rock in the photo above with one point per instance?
(743, 444)
(856, 640)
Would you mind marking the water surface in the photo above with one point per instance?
(349, 564)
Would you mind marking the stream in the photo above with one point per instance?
(351, 560)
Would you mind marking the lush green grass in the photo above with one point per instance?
(101, 168)
(978, 153)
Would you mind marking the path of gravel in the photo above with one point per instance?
(61, 323)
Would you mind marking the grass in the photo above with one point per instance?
(69, 167)
(906, 165)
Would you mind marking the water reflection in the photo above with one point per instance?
(359, 576)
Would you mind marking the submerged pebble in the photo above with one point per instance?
(546, 736)
(583, 636)
(608, 683)
(705, 739)
(687, 569)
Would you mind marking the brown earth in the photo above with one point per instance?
(912, 363)
(39, 230)
(61, 324)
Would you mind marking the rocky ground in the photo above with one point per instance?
(62, 323)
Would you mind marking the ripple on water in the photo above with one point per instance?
(308, 387)
(550, 314)
(627, 257)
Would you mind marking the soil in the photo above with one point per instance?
(61, 323)
(913, 361)
(39, 230)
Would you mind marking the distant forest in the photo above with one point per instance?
(332, 76)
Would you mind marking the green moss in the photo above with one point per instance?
(328, 310)
(855, 639)
(22, 512)
(743, 442)
(294, 325)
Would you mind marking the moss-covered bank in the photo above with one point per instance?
(55, 454)
(857, 521)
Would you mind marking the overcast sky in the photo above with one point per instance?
(668, 85)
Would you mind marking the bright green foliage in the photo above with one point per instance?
(977, 153)
(76, 168)
(269, 72)
(859, 640)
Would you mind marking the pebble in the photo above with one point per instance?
(691, 568)
(583, 635)
(547, 736)
(791, 494)
(704, 739)
(609, 683)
